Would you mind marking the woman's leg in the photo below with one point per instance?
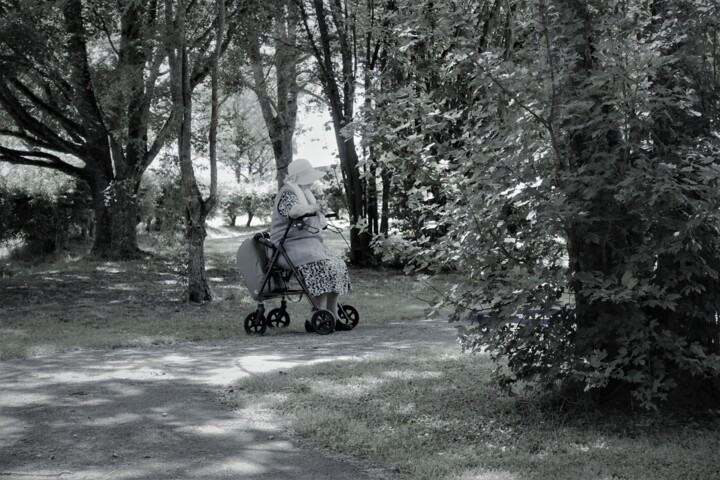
(322, 301)
(332, 302)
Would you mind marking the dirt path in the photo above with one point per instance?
(155, 413)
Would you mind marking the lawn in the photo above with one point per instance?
(424, 414)
(433, 414)
(69, 302)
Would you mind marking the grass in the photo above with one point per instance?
(432, 414)
(427, 414)
(69, 302)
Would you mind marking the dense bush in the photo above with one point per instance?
(43, 221)
(578, 158)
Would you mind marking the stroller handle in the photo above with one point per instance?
(260, 238)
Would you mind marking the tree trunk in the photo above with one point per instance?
(233, 219)
(195, 208)
(617, 231)
(250, 218)
(360, 251)
(280, 116)
(115, 208)
(339, 89)
(385, 215)
(198, 289)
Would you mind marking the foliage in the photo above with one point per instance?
(250, 199)
(430, 413)
(43, 220)
(331, 193)
(577, 152)
(162, 203)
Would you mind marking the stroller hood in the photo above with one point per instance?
(252, 264)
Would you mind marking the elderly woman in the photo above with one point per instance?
(324, 273)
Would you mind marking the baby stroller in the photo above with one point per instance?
(257, 262)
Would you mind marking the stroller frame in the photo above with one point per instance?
(321, 322)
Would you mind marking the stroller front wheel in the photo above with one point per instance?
(278, 318)
(323, 322)
(255, 324)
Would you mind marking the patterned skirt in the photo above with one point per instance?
(326, 276)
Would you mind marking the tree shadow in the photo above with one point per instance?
(158, 413)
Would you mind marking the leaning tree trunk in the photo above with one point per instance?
(279, 110)
(195, 209)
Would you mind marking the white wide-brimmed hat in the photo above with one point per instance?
(301, 172)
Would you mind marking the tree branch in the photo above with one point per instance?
(26, 121)
(73, 129)
(43, 159)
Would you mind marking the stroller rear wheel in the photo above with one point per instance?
(348, 317)
(255, 324)
(278, 318)
(323, 322)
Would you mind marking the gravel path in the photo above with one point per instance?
(155, 413)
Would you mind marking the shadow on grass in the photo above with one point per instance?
(156, 414)
(433, 414)
(80, 303)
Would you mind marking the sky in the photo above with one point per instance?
(315, 140)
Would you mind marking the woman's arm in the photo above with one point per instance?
(289, 206)
(300, 210)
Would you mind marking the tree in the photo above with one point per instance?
(85, 87)
(245, 146)
(577, 148)
(252, 199)
(279, 105)
(183, 73)
(329, 29)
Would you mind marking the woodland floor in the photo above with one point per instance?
(106, 374)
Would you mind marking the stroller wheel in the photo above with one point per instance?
(308, 327)
(348, 317)
(253, 324)
(278, 318)
(323, 322)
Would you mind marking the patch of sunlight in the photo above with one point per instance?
(169, 282)
(42, 350)
(109, 268)
(79, 277)
(207, 429)
(411, 374)
(123, 287)
(598, 445)
(18, 399)
(12, 429)
(118, 419)
(329, 388)
(54, 279)
(178, 359)
(49, 272)
(7, 332)
(406, 409)
(487, 475)
(216, 279)
(250, 465)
